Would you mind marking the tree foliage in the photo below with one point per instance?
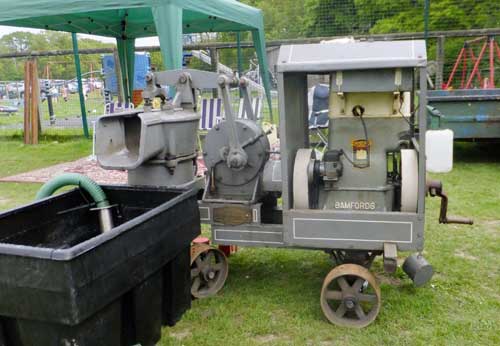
(312, 18)
(59, 67)
(284, 19)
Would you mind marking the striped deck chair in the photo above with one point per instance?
(111, 107)
(123, 107)
(211, 113)
(318, 114)
(117, 107)
(256, 107)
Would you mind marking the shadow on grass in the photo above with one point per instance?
(46, 136)
(469, 152)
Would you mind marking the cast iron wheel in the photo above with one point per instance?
(350, 296)
(209, 271)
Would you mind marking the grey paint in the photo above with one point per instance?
(249, 235)
(199, 79)
(126, 141)
(159, 175)
(422, 123)
(373, 80)
(293, 130)
(353, 230)
(383, 134)
(207, 211)
(146, 144)
(272, 180)
(342, 230)
(293, 108)
(364, 184)
(234, 184)
(272, 58)
(327, 57)
(332, 229)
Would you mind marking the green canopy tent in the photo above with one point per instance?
(127, 20)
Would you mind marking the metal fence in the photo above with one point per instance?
(290, 19)
(65, 111)
(453, 29)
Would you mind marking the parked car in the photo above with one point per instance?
(15, 90)
(73, 87)
(97, 84)
(8, 109)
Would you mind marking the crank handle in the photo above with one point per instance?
(435, 189)
(458, 220)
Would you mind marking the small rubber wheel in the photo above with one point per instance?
(350, 296)
(209, 270)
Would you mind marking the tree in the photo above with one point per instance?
(61, 67)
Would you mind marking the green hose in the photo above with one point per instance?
(79, 180)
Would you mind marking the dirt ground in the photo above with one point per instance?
(86, 166)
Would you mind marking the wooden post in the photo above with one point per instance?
(27, 99)
(440, 61)
(214, 58)
(31, 102)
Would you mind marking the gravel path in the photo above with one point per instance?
(86, 166)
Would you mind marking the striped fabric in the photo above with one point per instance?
(111, 107)
(256, 106)
(318, 113)
(121, 107)
(211, 113)
(319, 104)
(117, 107)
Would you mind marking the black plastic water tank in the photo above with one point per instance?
(62, 282)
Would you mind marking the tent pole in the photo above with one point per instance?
(214, 58)
(240, 58)
(259, 42)
(427, 6)
(119, 78)
(80, 85)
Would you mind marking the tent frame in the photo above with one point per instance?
(127, 20)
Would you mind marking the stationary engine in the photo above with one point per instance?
(369, 163)
(352, 185)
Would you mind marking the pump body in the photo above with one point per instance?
(158, 147)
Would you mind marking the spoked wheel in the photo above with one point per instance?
(350, 296)
(209, 271)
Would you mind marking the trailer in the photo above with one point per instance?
(471, 111)
(472, 114)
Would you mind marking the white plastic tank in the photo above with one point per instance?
(439, 151)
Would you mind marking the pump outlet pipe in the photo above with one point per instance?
(87, 184)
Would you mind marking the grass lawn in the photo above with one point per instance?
(62, 109)
(272, 296)
(15, 157)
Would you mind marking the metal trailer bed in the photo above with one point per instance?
(472, 114)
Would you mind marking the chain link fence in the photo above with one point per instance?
(64, 113)
(290, 19)
(450, 26)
